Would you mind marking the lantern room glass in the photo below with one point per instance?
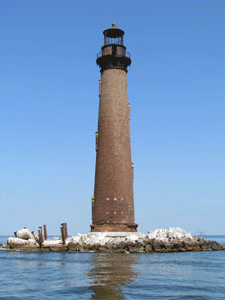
(109, 40)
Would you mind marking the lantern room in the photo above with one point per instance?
(113, 53)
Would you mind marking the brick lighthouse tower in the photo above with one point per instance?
(112, 203)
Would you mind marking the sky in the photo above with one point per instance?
(49, 111)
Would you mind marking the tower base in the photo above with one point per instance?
(114, 228)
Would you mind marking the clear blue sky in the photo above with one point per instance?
(49, 110)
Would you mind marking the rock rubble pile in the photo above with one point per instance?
(24, 238)
(169, 234)
(103, 238)
(160, 240)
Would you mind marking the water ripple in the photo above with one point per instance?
(72, 275)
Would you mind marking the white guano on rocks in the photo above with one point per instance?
(103, 238)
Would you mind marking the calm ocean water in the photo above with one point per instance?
(72, 275)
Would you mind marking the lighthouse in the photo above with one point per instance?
(113, 202)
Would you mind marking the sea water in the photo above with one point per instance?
(75, 275)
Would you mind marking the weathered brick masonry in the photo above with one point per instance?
(113, 204)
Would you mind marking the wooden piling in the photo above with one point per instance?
(65, 230)
(35, 236)
(63, 225)
(40, 236)
(45, 232)
(62, 234)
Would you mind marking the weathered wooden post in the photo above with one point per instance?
(64, 225)
(40, 236)
(65, 230)
(62, 234)
(45, 232)
(35, 236)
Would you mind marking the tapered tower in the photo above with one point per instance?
(112, 203)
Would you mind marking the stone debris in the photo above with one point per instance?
(52, 242)
(25, 234)
(159, 240)
(21, 242)
(104, 238)
(169, 234)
